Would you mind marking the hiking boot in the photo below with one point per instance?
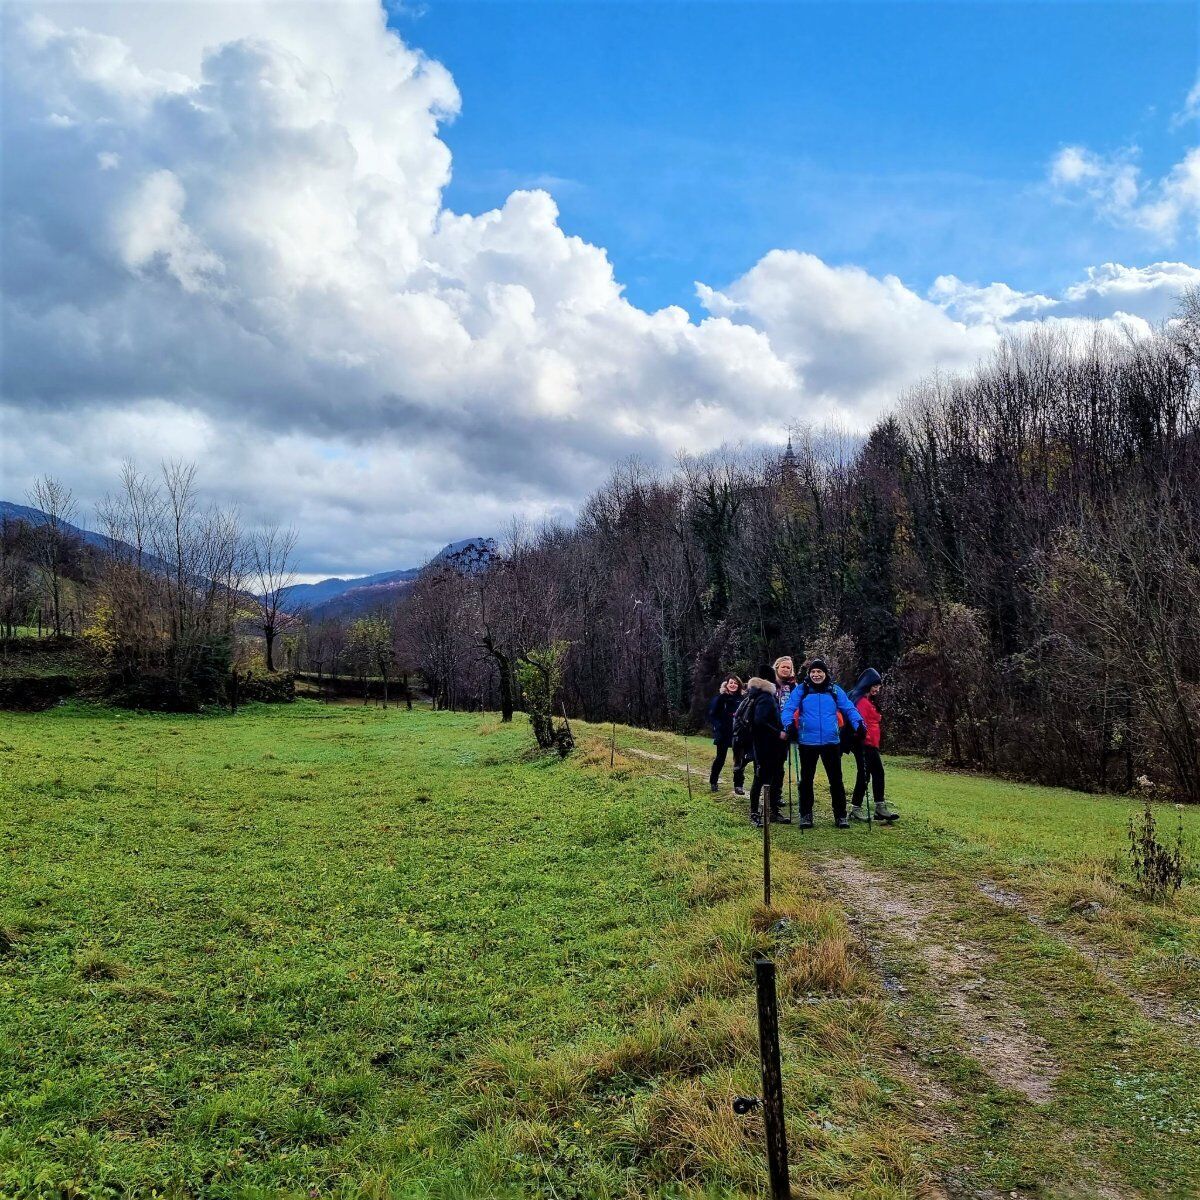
(883, 813)
(842, 822)
(858, 813)
(739, 791)
(805, 822)
(712, 787)
(781, 818)
(756, 820)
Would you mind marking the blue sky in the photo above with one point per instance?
(907, 137)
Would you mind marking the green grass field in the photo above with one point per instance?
(337, 951)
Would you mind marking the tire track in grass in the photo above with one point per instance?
(996, 1035)
(1155, 1009)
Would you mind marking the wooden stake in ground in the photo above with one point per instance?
(772, 1078)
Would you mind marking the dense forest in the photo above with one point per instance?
(1017, 550)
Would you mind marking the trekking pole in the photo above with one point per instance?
(687, 762)
(791, 811)
(794, 755)
(871, 806)
(612, 747)
(772, 1077)
(765, 810)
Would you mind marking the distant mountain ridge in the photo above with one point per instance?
(310, 595)
(35, 516)
(337, 597)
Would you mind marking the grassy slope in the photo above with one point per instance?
(380, 953)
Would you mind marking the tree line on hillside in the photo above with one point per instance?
(1018, 550)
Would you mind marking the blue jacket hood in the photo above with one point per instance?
(866, 681)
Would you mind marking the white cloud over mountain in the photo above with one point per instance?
(225, 238)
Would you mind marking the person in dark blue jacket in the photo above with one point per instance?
(720, 717)
(810, 717)
(770, 750)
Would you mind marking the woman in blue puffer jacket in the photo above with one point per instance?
(810, 717)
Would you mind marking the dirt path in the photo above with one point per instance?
(960, 974)
(991, 1028)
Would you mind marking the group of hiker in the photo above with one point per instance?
(789, 722)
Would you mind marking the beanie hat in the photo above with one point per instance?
(818, 664)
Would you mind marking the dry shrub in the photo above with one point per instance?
(1156, 863)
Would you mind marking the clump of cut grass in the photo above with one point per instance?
(143, 993)
(346, 1093)
(528, 1086)
(721, 973)
(96, 965)
(239, 920)
(1177, 974)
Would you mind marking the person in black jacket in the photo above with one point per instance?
(720, 717)
(770, 749)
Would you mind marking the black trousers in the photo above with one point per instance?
(870, 766)
(768, 775)
(831, 757)
(718, 765)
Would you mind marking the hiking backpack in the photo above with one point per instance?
(743, 723)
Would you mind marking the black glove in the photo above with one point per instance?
(861, 734)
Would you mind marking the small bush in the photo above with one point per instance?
(268, 687)
(1157, 867)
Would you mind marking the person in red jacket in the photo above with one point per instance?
(866, 753)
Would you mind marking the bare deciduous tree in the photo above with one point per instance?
(50, 539)
(273, 574)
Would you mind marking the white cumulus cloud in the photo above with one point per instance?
(1116, 186)
(224, 237)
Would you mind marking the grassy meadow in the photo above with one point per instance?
(329, 950)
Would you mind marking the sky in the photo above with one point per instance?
(396, 274)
